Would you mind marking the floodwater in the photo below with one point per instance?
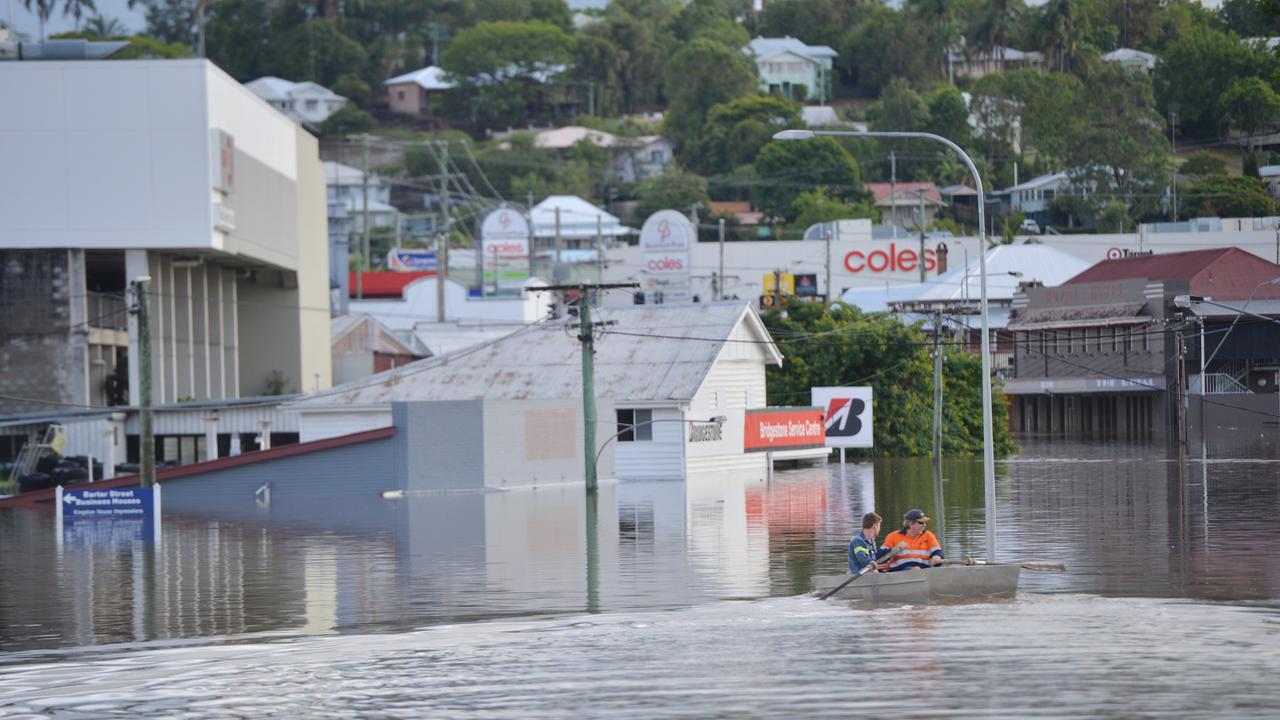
(666, 599)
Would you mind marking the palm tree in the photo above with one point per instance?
(991, 29)
(939, 21)
(1059, 27)
(76, 8)
(105, 27)
(42, 9)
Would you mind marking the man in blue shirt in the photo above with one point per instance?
(863, 548)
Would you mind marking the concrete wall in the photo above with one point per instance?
(316, 368)
(43, 337)
(440, 445)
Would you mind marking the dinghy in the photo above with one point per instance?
(949, 583)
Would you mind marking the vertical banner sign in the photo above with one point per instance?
(110, 516)
(783, 428)
(504, 246)
(666, 240)
(846, 415)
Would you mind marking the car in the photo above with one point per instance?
(1030, 226)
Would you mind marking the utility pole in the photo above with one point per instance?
(363, 266)
(586, 336)
(720, 291)
(922, 274)
(937, 414)
(600, 245)
(146, 431)
(1173, 149)
(555, 271)
(830, 294)
(442, 261)
(893, 192)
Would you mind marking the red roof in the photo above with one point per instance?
(1227, 273)
(906, 192)
(385, 284)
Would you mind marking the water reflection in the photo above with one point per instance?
(1127, 521)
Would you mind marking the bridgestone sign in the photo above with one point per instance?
(783, 428)
(846, 415)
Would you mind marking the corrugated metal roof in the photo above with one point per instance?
(650, 353)
(1226, 273)
(1081, 316)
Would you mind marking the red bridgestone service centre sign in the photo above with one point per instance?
(784, 428)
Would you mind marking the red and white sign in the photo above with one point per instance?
(846, 415)
(783, 428)
(889, 260)
(666, 263)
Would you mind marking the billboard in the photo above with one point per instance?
(783, 428)
(846, 415)
(108, 516)
(666, 239)
(404, 260)
(504, 246)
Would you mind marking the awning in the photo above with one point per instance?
(1083, 385)
(1080, 316)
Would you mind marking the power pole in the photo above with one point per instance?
(937, 414)
(363, 266)
(921, 196)
(720, 292)
(442, 261)
(586, 336)
(893, 192)
(146, 432)
(600, 245)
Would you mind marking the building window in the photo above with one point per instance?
(1146, 338)
(635, 426)
(655, 157)
(399, 94)
(311, 104)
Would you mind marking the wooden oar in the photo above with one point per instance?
(1025, 565)
(866, 569)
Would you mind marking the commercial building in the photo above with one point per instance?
(1115, 352)
(163, 169)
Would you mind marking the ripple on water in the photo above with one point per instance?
(1046, 655)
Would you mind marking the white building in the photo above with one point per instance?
(630, 159)
(1034, 197)
(307, 102)
(1132, 59)
(172, 170)
(346, 185)
(786, 65)
(659, 387)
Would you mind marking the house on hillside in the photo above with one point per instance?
(346, 186)
(899, 204)
(678, 407)
(1034, 197)
(307, 102)
(788, 66)
(630, 159)
(977, 63)
(1132, 59)
(411, 93)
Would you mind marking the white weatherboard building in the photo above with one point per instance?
(173, 170)
(677, 377)
(306, 102)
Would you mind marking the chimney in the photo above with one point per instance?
(942, 257)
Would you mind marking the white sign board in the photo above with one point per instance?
(504, 242)
(846, 413)
(665, 242)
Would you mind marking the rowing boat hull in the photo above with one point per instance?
(951, 583)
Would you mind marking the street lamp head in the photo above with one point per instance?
(794, 135)
(720, 419)
(1186, 301)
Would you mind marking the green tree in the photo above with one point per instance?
(170, 21)
(76, 9)
(353, 88)
(1249, 105)
(348, 119)
(239, 38)
(42, 9)
(1059, 28)
(992, 26)
(948, 115)
(818, 206)
(1250, 18)
(140, 47)
(1223, 196)
(883, 45)
(105, 27)
(1048, 106)
(938, 19)
(1195, 70)
(1203, 163)
(787, 169)
(840, 345)
(674, 189)
(317, 51)
(700, 75)
(899, 108)
(505, 71)
(816, 22)
(736, 130)
(709, 19)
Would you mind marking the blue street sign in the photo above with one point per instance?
(111, 515)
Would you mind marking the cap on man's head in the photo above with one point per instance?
(913, 516)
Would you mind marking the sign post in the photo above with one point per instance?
(112, 516)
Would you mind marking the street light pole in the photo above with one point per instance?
(988, 440)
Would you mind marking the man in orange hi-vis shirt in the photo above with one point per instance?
(919, 547)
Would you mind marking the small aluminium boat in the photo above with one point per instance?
(949, 583)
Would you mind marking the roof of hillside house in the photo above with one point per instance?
(764, 47)
(384, 284)
(427, 78)
(566, 137)
(641, 358)
(577, 218)
(368, 334)
(1146, 59)
(906, 193)
(274, 88)
(1227, 273)
(1009, 54)
(1038, 182)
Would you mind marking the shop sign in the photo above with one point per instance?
(846, 415)
(783, 428)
